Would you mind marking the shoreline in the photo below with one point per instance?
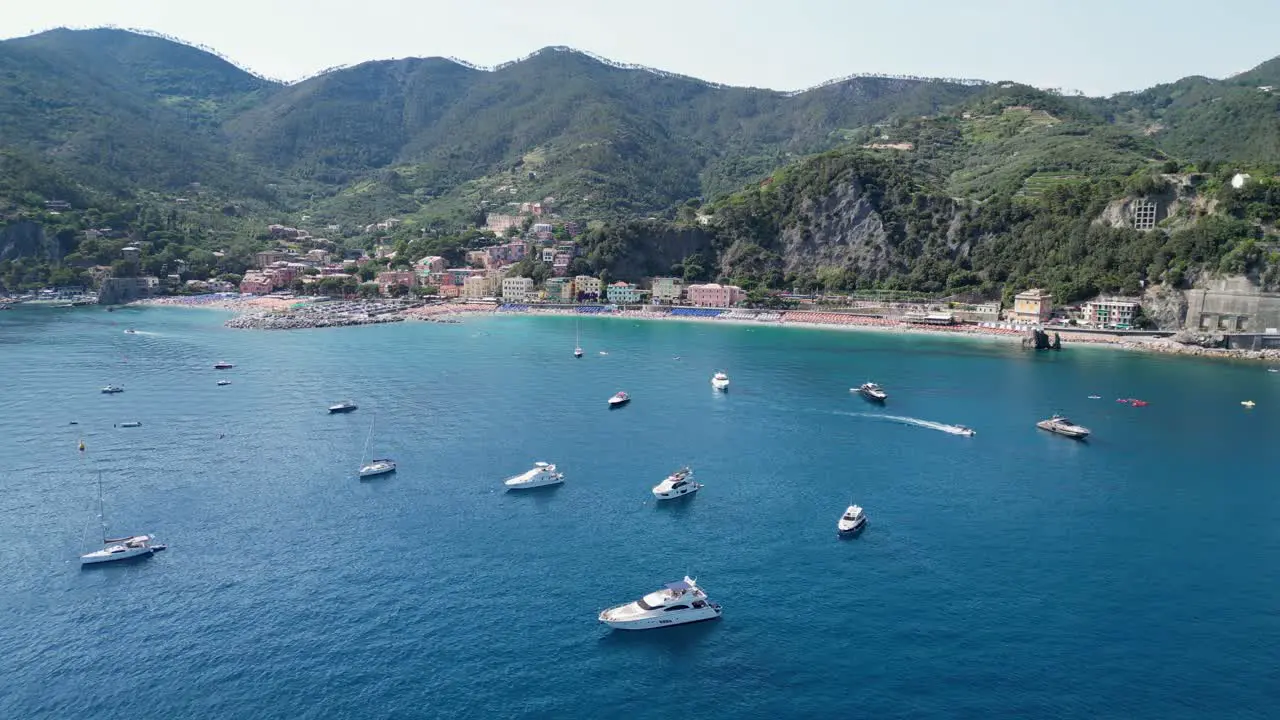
(275, 313)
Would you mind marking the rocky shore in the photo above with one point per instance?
(320, 315)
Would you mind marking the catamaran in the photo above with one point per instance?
(121, 548)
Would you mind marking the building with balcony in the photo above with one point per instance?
(256, 283)
(1110, 313)
(715, 295)
(621, 293)
(667, 289)
(481, 286)
(517, 289)
(587, 286)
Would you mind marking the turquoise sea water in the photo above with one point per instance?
(1012, 574)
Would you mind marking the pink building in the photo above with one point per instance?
(406, 278)
(256, 284)
(430, 264)
(715, 295)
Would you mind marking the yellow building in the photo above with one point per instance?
(476, 287)
(589, 285)
(1032, 306)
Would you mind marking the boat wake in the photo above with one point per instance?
(917, 422)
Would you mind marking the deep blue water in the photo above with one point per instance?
(1013, 574)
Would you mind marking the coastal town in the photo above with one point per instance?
(307, 282)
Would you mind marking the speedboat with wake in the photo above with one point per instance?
(965, 431)
(1059, 424)
(873, 392)
(540, 475)
(720, 381)
(851, 521)
(677, 603)
(677, 484)
(618, 400)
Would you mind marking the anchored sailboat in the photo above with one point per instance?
(121, 548)
(382, 466)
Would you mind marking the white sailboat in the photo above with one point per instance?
(121, 548)
(577, 340)
(380, 466)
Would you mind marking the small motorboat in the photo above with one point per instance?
(1273, 370)
(965, 431)
(677, 484)
(222, 366)
(1095, 397)
(112, 390)
(720, 381)
(618, 400)
(577, 352)
(540, 475)
(603, 352)
(851, 521)
(1248, 403)
(345, 406)
(872, 392)
(224, 382)
(1138, 403)
(130, 331)
(1060, 425)
(133, 424)
(382, 466)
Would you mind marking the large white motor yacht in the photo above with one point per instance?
(1060, 425)
(540, 475)
(677, 603)
(851, 521)
(873, 392)
(677, 484)
(122, 549)
(720, 381)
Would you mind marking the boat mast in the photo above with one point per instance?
(365, 452)
(102, 518)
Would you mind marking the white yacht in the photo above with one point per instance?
(378, 467)
(618, 400)
(112, 389)
(851, 521)
(577, 340)
(677, 484)
(720, 381)
(1060, 425)
(115, 549)
(540, 475)
(676, 603)
(872, 391)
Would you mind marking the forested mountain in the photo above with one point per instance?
(928, 185)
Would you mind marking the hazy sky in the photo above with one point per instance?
(1098, 46)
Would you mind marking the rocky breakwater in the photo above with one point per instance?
(1200, 345)
(320, 315)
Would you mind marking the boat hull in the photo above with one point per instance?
(376, 472)
(657, 622)
(533, 485)
(722, 386)
(676, 494)
(614, 403)
(845, 530)
(339, 410)
(1073, 434)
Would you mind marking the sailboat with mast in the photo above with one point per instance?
(381, 466)
(577, 340)
(122, 548)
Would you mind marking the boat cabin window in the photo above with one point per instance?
(675, 607)
(676, 484)
(699, 604)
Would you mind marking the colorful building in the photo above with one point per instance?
(667, 289)
(1114, 313)
(715, 295)
(481, 286)
(1032, 306)
(621, 293)
(255, 283)
(587, 286)
(518, 289)
(561, 290)
(429, 264)
(404, 278)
